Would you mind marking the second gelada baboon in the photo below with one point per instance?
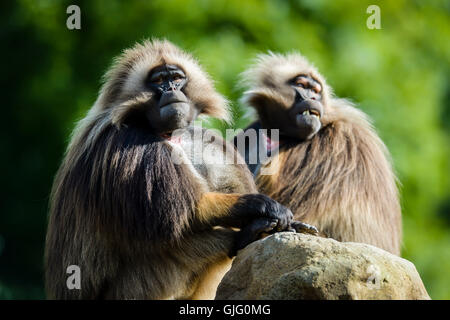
(332, 170)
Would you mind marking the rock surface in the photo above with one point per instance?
(298, 266)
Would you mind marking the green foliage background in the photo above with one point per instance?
(399, 75)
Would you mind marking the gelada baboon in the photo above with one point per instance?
(137, 223)
(332, 169)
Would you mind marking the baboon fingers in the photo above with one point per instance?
(252, 232)
(301, 227)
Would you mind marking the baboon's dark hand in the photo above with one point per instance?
(252, 232)
(259, 205)
(301, 227)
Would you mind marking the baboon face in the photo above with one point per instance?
(171, 109)
(289, 95)
(303, 117)
(157, 85)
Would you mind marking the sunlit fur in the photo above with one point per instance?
(121, 209)
(123, 89)
(341, 180)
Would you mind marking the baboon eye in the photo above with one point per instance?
(308, 83)
(157, 80)
(177, 78)
(301, 81)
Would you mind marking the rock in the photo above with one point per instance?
(299, 266)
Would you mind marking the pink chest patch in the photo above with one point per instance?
(176, 139)
(271, 144)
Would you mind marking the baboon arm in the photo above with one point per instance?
(238, 210)
(216, 209)
(207, 246)
(208, 256)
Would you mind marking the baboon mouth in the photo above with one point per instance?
(171, 102)
(311, 112)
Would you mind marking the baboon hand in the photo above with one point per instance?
(261, 206)
(252, 232)
(301, 227)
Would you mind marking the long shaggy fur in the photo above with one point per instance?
(113, 198)
(341, 180)
(120, 208)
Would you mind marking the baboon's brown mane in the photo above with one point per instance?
(123, 175)
(343, 165)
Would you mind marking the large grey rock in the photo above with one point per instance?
(298, 266)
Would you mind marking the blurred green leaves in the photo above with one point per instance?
(399, 75)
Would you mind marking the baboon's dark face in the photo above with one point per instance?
(171, 109)
(303, 117)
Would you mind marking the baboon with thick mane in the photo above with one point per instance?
(332, 169)
(138, 224)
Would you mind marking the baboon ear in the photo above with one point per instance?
(214, 105)
(265, 98)
(256, 99)
(121, 111)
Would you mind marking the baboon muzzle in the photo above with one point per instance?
(171, 97)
